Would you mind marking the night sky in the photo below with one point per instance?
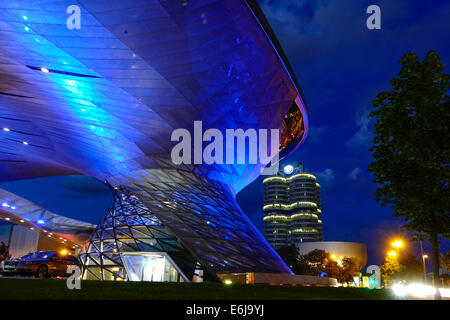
(340, 66)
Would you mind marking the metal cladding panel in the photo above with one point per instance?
(16, 206)
(136, 70)
(204, 215)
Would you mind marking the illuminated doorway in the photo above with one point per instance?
(151, 266)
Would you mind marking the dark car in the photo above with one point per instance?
(40, 264)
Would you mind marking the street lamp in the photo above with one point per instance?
(333, 256)
(397, 244)
(392, 253)
(424, 267)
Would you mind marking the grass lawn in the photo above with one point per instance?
(53, 289)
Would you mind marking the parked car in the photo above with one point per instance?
(40, 264)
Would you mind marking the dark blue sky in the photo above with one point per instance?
(341, 66)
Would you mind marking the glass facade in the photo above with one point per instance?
(198, 231)
(292, 207)
(132, 244)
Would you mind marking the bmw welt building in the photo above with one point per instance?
(103, 98)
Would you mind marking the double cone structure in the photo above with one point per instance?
(103, 101)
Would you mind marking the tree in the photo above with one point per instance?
(389, 269)
(313, 263)
(410, 267)
(347, 269)
(411, 148)
(289, 254)
(332, 269)
(406, 268)
(318, 261)
(4, 251)
(445, 261)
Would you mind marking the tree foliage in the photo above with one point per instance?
(411, 148)
(318, 261)
(313, 263)
(389, 268)
(410, 267)
(289, 255)
(445, 261)
(406, 268)
(4, 252)
(347, 270)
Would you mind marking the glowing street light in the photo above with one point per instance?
(397, 244)
(424, 267)
(392, 253)
(333, 256)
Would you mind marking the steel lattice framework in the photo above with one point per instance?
(129, 226)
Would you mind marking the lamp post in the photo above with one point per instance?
(392, 253)
(424, 267)
(397, 244)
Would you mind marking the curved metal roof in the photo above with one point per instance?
(18, 210)
(259, 15)
(103, 100)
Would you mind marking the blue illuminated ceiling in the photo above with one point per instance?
(103, 99)
(18, 210)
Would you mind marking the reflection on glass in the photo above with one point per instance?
(293, 130)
